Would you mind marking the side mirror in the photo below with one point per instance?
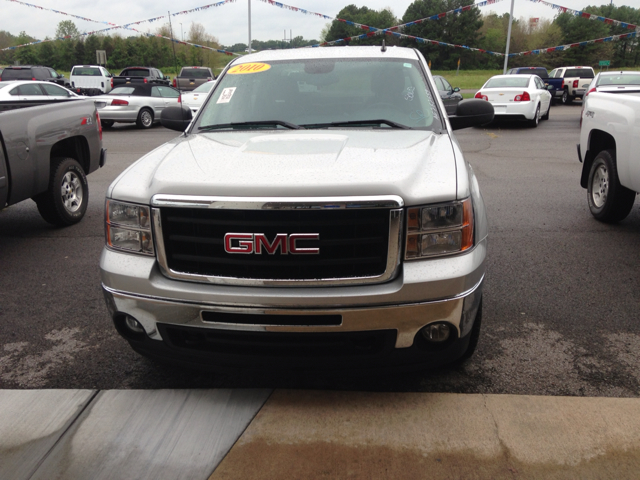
(176, 118)
(471, 113)
(456, 89)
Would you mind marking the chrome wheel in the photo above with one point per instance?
(146, 118)
(600, 186)
(72, 192)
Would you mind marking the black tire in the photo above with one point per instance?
(145, 118)
(473, 341)
(107, 123)
(566, 98)
(546, 115)
(533, 123)
(608, 200)
(65, 201)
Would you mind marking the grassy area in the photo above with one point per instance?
(467, 79)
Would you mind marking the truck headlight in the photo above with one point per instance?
(441, 229)
(128, 227)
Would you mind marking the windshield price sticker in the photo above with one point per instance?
(249, 68)
(225, 96)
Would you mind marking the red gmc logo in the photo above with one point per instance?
(248, 243)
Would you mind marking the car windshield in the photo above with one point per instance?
(619, 79)
(205, 87)
(507, 82)
(579, 72)
(541, 72)
(135, 72)
(321, 94)
(86, 72)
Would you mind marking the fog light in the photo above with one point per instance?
(436, 332)
(133, 325)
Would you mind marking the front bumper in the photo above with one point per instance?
(447, 290)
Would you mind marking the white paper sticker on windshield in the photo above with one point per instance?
(225, 96)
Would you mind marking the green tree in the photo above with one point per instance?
(366, 16)
(67, 28)
(578, 29)
(91, 44)
(460, 29)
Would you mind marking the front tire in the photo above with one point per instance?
(533, 123)
(475, 336)
(65, 201)
(145, 118)
(609, 201)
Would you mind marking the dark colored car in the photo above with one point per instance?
(33, 72)
(450, 96)
(140, 75)
(192, 77)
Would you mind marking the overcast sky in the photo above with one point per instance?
(228, 22)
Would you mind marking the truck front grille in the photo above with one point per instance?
(353, 243)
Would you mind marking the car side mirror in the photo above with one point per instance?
(456, 89)
(471, 113)
(176, 118)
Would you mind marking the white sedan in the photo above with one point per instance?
(139, 103)
(194, 99)
(33, 90)
(517, 97)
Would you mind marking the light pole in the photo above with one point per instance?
(181, 32)
(249, 26)
(506, 54)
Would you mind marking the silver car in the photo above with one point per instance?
(317, 211)
(141, 104)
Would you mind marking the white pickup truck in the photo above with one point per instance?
(609, 141)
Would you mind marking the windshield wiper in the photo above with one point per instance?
(282, 123)
(358, 122)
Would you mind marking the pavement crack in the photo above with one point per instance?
(506, 452)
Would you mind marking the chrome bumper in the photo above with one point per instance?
(406, 319)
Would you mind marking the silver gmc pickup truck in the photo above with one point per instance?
(316, 211)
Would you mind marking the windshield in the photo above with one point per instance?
(315, 93)
(507, 82)
(122, 91)
(579, 72)
(86, 71)
(205, 87)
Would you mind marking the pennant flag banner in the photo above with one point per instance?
(578, 13)
(185, 12)
(126, 26)
(374, 29)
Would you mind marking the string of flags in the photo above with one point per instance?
(154, 19)
(125, 26)
(579, 13)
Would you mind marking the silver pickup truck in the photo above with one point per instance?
(317, 211)
(46, 151)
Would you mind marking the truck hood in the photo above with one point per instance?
(419, 166)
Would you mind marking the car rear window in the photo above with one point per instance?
(579, 72)
(86, 72)
(507, 82)
(541, 72)
(135, 72)
(196, 73)
(619, 79)
(122, 91)
(16, 74)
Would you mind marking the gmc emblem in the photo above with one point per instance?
(248, 243)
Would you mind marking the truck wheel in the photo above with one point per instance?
(107, 123)
(566, 98)
(145, 118)
(608, 200)
(533, 123)
(65, 201)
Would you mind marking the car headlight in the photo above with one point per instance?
(441, 229)
(128, 227)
